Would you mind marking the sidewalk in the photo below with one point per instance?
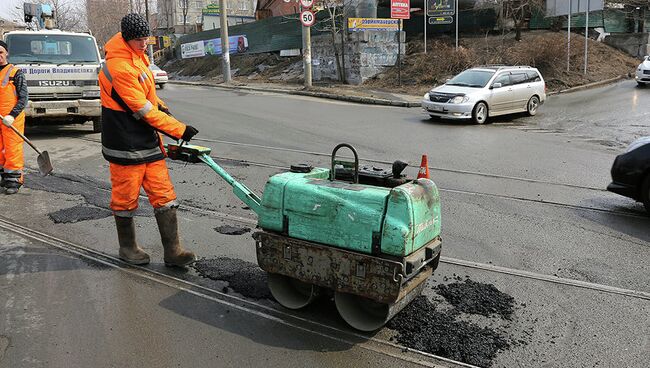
(355, 93)
(341, 93)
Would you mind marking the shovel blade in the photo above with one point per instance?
(44, 163)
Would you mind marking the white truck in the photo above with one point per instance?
(61, 71)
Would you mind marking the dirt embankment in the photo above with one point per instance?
(542, 49)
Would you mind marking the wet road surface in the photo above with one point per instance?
(521, 194)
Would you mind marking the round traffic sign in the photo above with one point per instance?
(307, 18)
(307, 3)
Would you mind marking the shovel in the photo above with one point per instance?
(43, 159)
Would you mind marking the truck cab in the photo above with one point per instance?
(61, 71)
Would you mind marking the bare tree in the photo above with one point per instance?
(185, 7)
(518, 11)
(335, 25)
(104, 17)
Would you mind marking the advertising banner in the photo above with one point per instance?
(237, 44)
(438, 8)
(372, 24)
(192, 49)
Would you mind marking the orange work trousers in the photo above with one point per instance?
(11, 149)
(126, 181)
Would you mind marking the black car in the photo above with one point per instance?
(631, 172)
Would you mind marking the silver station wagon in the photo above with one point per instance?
(483, 92)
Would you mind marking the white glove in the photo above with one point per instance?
(8, 120)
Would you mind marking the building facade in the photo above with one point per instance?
(188, 16)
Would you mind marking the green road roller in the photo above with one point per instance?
(369, 236)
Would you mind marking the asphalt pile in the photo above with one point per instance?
(243, 277)
(443, 330)
(477, 298)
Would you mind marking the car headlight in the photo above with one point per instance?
(638, 143)
(426, 96)
(459, 99)
(90, 94)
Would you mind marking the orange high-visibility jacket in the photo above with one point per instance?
(8, 93)
(131, 111)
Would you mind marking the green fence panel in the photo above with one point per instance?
(266, 35)
(614, 21)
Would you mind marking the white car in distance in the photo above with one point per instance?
(483, 92)
(642, 75)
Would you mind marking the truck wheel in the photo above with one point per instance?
(97, 124)
(645, 192)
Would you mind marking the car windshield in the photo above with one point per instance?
(52, 49)
(154, 67)
(471, 78)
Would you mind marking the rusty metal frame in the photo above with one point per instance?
(379, 279)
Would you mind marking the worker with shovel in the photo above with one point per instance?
(132, 119)
(13, 100)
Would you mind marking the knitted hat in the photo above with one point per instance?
(134, 26)
(3, 44)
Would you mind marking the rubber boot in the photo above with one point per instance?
(130, 252)
(11, 187)
(175, 254)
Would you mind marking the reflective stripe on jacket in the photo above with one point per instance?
(8, 94)
(131, 110)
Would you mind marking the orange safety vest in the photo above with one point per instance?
(8, 93)
(132, 113)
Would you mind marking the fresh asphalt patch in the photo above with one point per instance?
(96, 204)
(443, 327)
(79, 213)
(450, 327)
(231, 230)
(243, 277)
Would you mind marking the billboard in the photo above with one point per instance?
(437, 8)
(237, 44)
(555, 8)
(372, 24)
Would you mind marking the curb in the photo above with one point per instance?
(589, 85)
(331, 96)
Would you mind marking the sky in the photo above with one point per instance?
(8, 8)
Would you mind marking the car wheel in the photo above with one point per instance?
(645, 193)
(532, 106)
(640, 84)
(161, 86)
(480, 113)
(97, 124)
(433, 117)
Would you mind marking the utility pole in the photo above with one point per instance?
(587, 35)
(425, 25)
(568, 49)
(149, 46)
(457, 16)
(306, 54)
(225, 42)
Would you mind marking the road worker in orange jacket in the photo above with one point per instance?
(13, 100)
(133, 118)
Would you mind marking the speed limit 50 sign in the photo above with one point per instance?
(307, 18)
